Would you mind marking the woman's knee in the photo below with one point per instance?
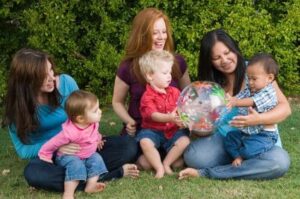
(192, 155)
(206, 152)
(29, 176)
(40, 174)
(283, 161)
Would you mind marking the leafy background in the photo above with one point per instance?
(87, 38)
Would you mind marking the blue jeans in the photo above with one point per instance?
(117, 151)
(81, 169)
(158, 138)
(247, 146)
(209, 156)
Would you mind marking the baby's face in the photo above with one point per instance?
(258, 78)
(161, 78)
(93, 114)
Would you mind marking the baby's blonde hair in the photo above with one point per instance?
(150, 61)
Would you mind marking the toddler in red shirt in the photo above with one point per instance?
(161, 126)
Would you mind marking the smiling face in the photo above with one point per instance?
(257, 77)
(161, 78)
(49, 82)
(159, 35)
(223, 59)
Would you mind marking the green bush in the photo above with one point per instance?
(87, 38)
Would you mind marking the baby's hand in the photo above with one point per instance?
(231, 101)
(46, 160)
(131, 128)
(174, 117)
(101, 144)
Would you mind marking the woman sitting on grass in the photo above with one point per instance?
(34, 113)
(221, 61)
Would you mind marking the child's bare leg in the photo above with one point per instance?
(70, 187)
(178, 164)
(93, 185)
(153, 157)
(143, 163)
(175, 153)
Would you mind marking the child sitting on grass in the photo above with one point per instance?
(81, 128)
(160, 122)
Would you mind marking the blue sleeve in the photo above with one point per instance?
(24, 151)
(67, 84)
(66, 87)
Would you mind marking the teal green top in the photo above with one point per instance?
(50, 122)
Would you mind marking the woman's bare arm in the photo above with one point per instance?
(118, 102)
(279, 113)
(185, 80)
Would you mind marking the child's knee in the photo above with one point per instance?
(146, 143)
(183, 141)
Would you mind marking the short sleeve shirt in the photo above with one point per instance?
(264, 100)
(153, 101)
(136, 89)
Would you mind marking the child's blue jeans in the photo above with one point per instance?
(247, 146)
(158, 138)
(81, 169)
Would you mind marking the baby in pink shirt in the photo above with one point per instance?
(81, 128)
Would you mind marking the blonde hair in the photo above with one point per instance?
(140, 40)
(78, 102)
(150, 62)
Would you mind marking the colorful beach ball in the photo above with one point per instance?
(200, 106)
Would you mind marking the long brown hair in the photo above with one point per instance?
(140, 40)
(27, 73)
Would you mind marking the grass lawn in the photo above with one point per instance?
(13, 185)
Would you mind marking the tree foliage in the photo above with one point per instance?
(87, 38)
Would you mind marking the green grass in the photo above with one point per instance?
(13, 185)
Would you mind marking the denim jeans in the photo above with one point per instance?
(158, 138)
(209, 156)
(247, 146)
(81, 169)
(117, 151)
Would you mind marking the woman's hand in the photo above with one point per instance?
(131, 128)
(253, 118)
(101, 144)
(69, 149)
(188, 172)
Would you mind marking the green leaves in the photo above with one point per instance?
(87, 38)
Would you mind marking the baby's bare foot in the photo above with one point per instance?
(168, 169)
(160, 173)
(130, 170)
(68, 196)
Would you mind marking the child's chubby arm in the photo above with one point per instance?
(167, 117)
(47, 150)
(233, 101)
